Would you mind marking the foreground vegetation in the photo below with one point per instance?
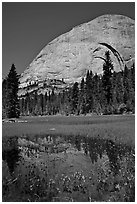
(67, 168)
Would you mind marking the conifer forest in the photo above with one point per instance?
(109, 93)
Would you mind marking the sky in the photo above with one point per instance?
(29, 27)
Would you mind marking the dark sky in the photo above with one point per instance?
(28, 27)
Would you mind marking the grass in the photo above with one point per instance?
(119, 128)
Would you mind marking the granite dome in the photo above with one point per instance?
(70, 55)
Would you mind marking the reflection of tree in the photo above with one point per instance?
(95, 147)
(78, 143)
(85, 145)
(10, 153)
(93, 150)
(100, 147)
(124, 150)
(112, 152)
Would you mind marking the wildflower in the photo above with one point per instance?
(117, 186)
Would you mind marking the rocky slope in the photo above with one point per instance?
(70, 55)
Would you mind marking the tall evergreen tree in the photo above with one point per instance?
(75, 94)
(41, 103)
(82, 97)
(107, 77)
(12, 101)
(133, 76)
(4, 97)
(129, 88)
(119, 87)
(126, 84)
(89, 91)
(96, 92)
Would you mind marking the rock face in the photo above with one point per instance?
(70, 55)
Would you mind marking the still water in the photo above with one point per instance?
(67, 168)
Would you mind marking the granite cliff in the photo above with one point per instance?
(68, 57)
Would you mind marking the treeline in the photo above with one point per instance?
(110, 93)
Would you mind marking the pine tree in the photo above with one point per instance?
(12, 101)
(129, 88)
(4, 97)
(133, 76)
(126, 84)
(119, 87)
(27, 103)
(67, 101)
(89, 91)
(95, 91)
(107, 77)
(41, 103)
(133, 87)
(82, 97)
(75, 94)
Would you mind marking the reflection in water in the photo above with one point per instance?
(93, 147)
(96, 147)
(10, 153)
(113, 152)
(17, 150)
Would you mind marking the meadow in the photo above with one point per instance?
(120, 128)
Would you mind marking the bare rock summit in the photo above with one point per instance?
(70, 55)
